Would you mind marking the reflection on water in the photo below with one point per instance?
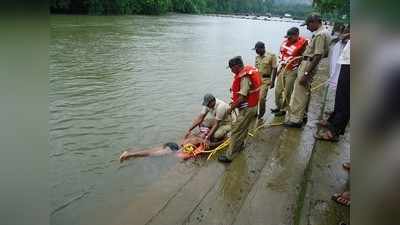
(131, 81)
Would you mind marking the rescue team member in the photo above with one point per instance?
(167, 149)
(293, 46)
(214, 120)
(266, 65)
(315, 51)
(245, 92)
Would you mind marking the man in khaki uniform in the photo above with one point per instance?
(291, 49)
(245, 96)
(214, 121)
(317, 49)
(266, 65)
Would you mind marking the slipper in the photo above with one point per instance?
(341, 200)
(346, 166)
(326, 137)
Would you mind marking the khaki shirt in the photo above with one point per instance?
(245, 85)
(219, 112)
(266, 63)
(319, 44)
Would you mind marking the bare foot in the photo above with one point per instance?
(326, 136)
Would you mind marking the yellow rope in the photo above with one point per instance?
(220, 147)
(318, 86)
(264, 125)
(228, 141)
(188, 148)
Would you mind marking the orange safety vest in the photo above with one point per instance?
(290, 51)
(255, 79)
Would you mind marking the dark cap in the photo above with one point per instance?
(259, 44)
(292, 31)
(207, 99)
(311, 18)
(237, 60)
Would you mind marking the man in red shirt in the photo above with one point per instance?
(289, 60)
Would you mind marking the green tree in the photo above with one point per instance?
(106, 7)
(154, 6)
(333, 9)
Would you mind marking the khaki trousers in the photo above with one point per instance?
(222, 130)
(240, 129)
(263, 95)
(284, 88)
(300, 97)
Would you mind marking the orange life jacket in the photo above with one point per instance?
(255, 79)
(290, 51)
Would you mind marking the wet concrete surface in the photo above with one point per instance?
(226, 198)
(283, 176)
(275, 197)
(325, 177)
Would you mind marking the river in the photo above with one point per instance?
(132, 81)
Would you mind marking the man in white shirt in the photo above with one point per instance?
(334, 54)
(338, 120)
(214, 121)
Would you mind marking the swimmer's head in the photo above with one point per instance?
(172, 146)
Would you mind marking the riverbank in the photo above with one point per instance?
(259, 17)
(284, 176)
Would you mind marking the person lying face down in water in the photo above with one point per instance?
(167, 148)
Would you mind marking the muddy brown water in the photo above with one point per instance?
(132, 81)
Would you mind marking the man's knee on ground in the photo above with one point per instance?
(221, 132)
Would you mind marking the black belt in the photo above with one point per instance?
(266, 76)
(307, 58)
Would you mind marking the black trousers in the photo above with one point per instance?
(341, 113)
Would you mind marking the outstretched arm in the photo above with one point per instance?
(131, 153)
(213, 129)
(196, 123)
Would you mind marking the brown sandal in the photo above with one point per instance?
(338, 198)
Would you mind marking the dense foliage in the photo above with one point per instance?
(336, 10)
(109, 7)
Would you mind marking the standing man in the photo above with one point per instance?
(317, 49)
(266, 65)
(214, 120)
(292, 47)
(338, 120)
(245, 92)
